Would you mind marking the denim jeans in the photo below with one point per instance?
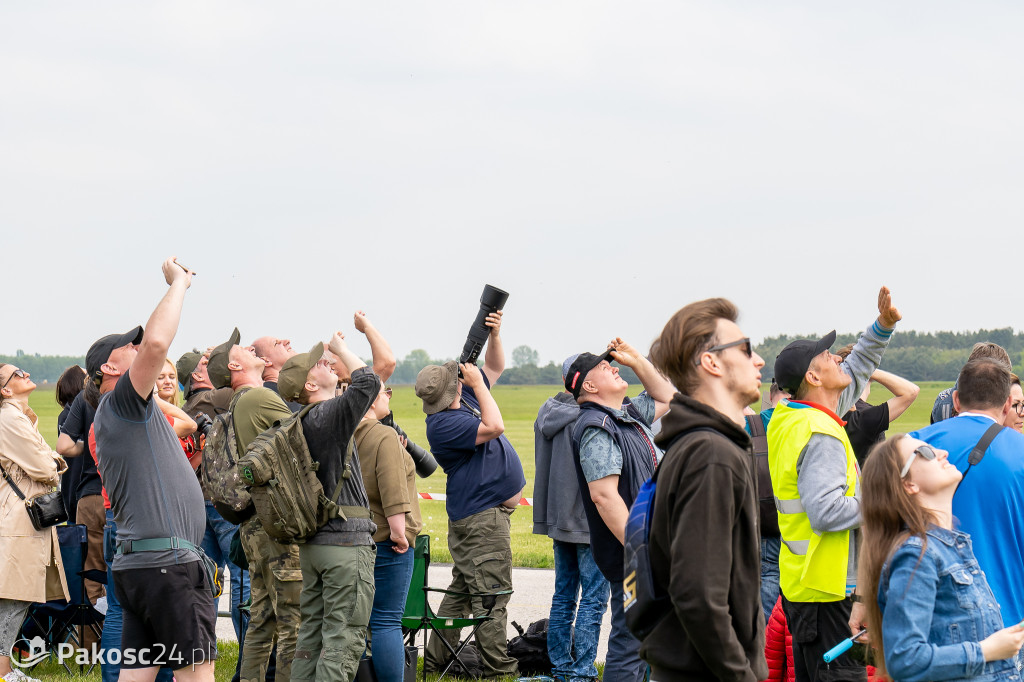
(217, 545)
(392, 573)
(769, 575)
(575, 569)
(111, 638)
(623, 663)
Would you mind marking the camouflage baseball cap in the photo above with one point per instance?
(217, 366)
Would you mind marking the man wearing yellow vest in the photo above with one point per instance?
(816, 483)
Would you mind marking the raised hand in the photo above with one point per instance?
(888, 314)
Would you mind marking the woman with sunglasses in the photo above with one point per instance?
(33, 571)
(389, 476)
(935, 617)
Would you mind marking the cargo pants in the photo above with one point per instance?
(481, 549)
(275, 583)
(337, 597)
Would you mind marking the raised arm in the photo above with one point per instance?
(904, 392)
(384, 362)
(494, 356)
(68, 446)
(160, 330)
(656, 385)
(491, 423)
(867, 353)
(183, 424)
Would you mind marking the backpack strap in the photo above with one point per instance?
(231, 411)
(757, 434)
(979, 450)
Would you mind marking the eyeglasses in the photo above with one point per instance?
(1018, 408)
(20, 373)
(926, 452)
(387, 391)
(744, 345)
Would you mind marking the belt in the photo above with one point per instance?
(154, 545)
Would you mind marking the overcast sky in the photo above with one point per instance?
(605, 163)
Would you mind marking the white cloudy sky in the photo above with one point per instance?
(606, 163)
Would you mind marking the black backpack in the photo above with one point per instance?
(767, 512)
(530, 648)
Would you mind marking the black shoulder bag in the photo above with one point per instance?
(45, 509)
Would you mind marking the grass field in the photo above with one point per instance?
(519, 406)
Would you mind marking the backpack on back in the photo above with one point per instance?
(645, 604)
(219, 475)
(288, 497)
(768, 514)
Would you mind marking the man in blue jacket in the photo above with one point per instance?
(558, 513)
(990, 500)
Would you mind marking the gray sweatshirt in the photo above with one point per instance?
(821, 468)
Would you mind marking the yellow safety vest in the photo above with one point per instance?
(812, 565)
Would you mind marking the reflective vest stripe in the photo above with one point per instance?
(789, 507)
(797, 546)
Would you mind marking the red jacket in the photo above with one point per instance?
(778, 648)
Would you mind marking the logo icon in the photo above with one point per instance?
(36, 653)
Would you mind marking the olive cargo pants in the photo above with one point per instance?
(481, 549)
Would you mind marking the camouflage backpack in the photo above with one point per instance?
(286, 493)
(219, 475)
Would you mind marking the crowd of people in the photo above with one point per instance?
(774, 536)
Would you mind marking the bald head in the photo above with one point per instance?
(276, 352)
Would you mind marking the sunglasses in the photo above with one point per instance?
(1018, 408)
(387, 391)
(926, 452)
(20, 373)
(744, 345)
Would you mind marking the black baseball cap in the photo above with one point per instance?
(791, 364)
(580, 367)
(99, 352)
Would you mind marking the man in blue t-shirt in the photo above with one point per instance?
(989, 504)
(485, 483)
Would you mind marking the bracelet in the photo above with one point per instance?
(856, 597)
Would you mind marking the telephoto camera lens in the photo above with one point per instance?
(492, 300)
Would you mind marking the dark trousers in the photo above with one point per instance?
(817, 627)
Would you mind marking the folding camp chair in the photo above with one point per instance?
(59, 621)
(419, 615)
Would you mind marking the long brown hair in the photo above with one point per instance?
(889, 516)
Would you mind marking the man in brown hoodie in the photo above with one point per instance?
(705, 543)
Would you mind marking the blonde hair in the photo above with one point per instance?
(176, 396)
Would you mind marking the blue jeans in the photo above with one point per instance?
(217, 545)
(769, 575)
(392, 573)
(623, 663)
(111, 637)
(575, 568)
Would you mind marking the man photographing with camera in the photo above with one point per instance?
(485, 482)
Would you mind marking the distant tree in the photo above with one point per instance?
(524, 355)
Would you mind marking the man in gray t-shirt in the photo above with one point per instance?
(159, 580)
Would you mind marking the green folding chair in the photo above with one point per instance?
(420, 616)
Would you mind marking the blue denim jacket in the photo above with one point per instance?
(936, 609)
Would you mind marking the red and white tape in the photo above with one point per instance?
(524, 501)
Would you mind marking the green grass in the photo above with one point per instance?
(519, 406)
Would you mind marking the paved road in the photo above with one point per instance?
(531, 601)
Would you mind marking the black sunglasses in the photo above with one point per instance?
(743, 343)
(20, 373)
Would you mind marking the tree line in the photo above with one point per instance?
(918, 356)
